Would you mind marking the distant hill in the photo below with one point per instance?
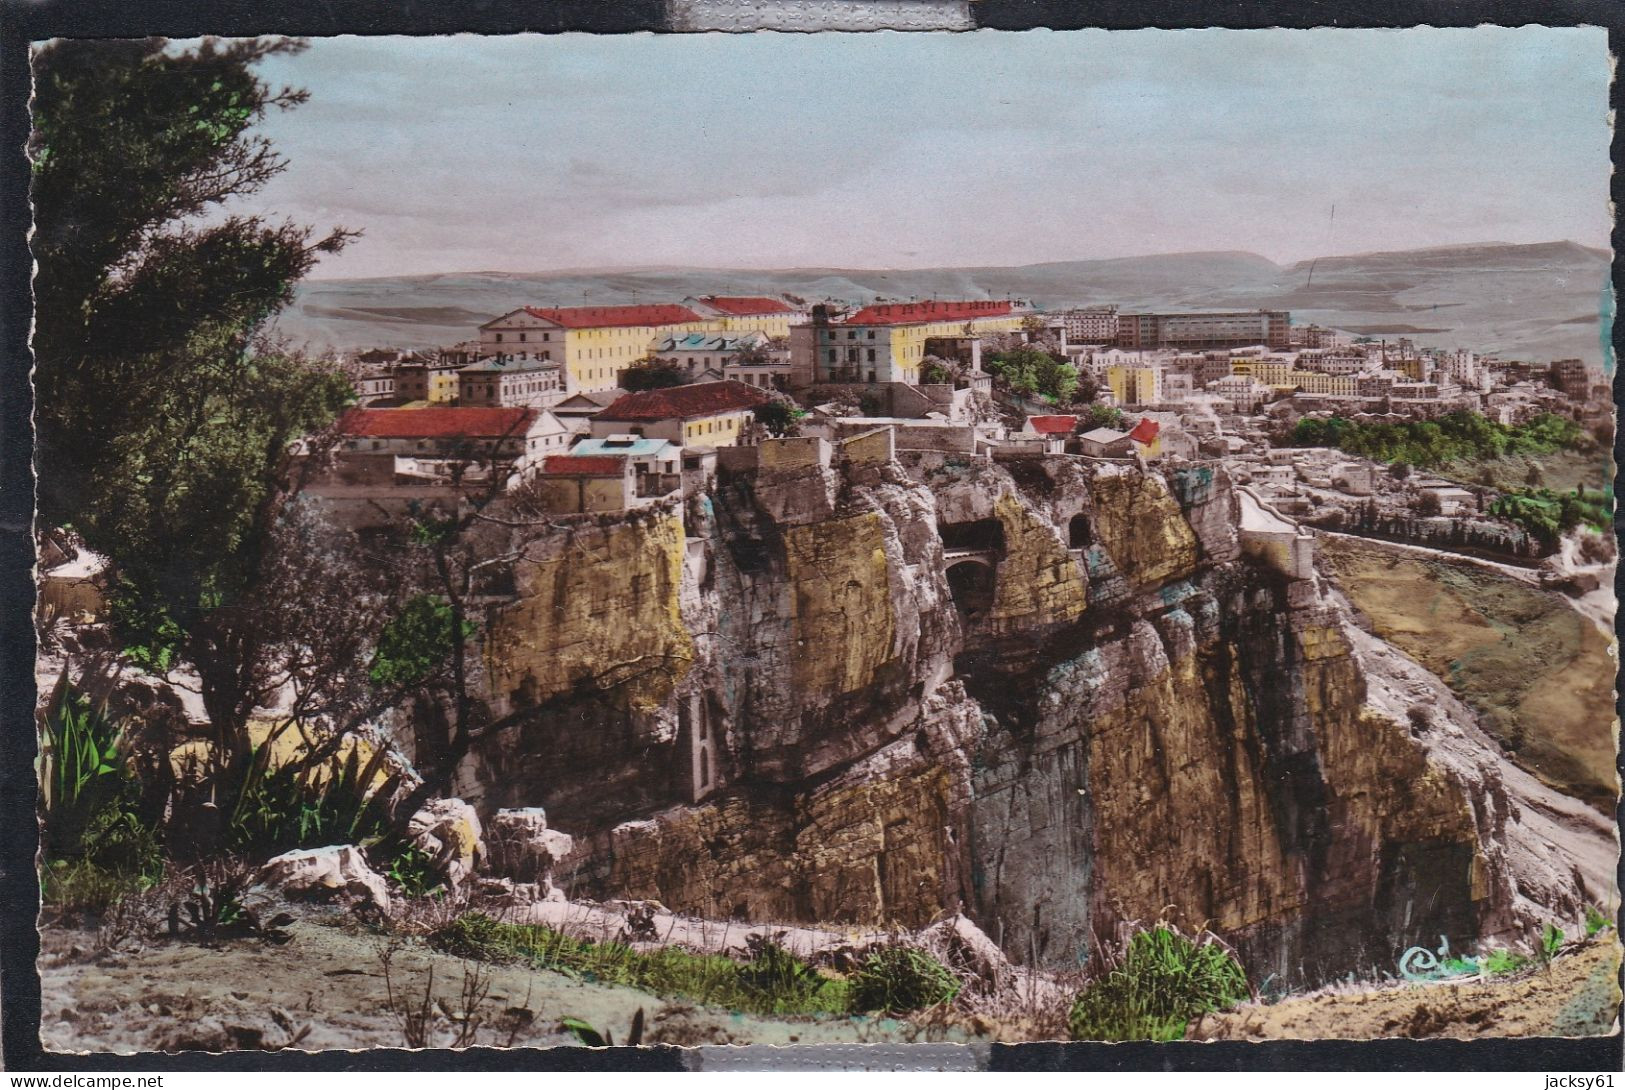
(1533, 301)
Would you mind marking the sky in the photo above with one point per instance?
(892, 150)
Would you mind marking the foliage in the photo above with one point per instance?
(936, 373)
(1103, 416)
(669, 971)
(1029, 370)
(300, 805)
(75, 886)
(1596, 920)
(896, 979)
(1551, 940)
(1548, 515)
(83, 773)
(1163, 980)
(780, 418)
(414, 644)
(414, 870)
(650, 373)
(593, 1039)
(1455, 436)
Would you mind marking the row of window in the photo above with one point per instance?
(546, 336)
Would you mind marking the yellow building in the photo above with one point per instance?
(886, 342)
(1132, 384)
(595, 344)
(702, 414)
(748, 313)
(1318, 382)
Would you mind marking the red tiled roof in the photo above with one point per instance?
(747, 304)
(682, 402)
(935, 310)
(1053, 425)
(1145, 431)
(601, 317)
(437, 423)
(585, 465)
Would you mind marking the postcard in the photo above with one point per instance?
(948, 537)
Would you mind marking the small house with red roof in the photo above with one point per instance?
(1147, 437)
(703, 414)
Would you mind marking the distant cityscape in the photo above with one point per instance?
(610, 408)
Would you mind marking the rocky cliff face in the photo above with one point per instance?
(1050, 693)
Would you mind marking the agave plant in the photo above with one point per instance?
(82, 768)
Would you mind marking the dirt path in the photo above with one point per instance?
(181, 996)
(1578, 997)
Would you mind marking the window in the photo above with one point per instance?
(871, 334)
(499, 338)
(871, 355)
(521, 338)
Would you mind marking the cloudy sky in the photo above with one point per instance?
(535, 153)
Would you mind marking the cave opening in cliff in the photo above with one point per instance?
(971, 584)
(981, 535)
(1078, 535)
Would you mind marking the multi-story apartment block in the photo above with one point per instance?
(1134, 385)
(886, 342)
(594, 344)
(1216, 329)
(1572, 377)
(506, 382)
(428, 380)
(1090, 325)
(748, 313)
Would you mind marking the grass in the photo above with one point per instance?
(900, 979)
(1162, 981)
(773, 983)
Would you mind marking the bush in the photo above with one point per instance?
(308, 806)
(898, 979)
(1162, 982)
(771, 983)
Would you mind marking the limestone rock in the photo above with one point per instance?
(962, 946)
(449, 831)
(524, 850)
(337, 872)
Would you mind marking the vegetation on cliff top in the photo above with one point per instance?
(1453, 437)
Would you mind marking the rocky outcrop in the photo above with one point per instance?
(336, 873)
(448, 831)
(522, 849)
(1050, 694)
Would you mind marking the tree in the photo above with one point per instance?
(1399, 471)
(653, 373)
(164, 417)
(1102, 416)
(1429, 504)
(780, 418)
(1028, 370)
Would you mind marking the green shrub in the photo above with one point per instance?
(296, 805)
(414, 869)
(83, 772)
(763, 986)
(74, 886)
(1596, 921)
(898, 979)
(1162, 982)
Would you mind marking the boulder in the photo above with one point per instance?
(337, 872)
(522, 848)
(449, 831)
(965, 948)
